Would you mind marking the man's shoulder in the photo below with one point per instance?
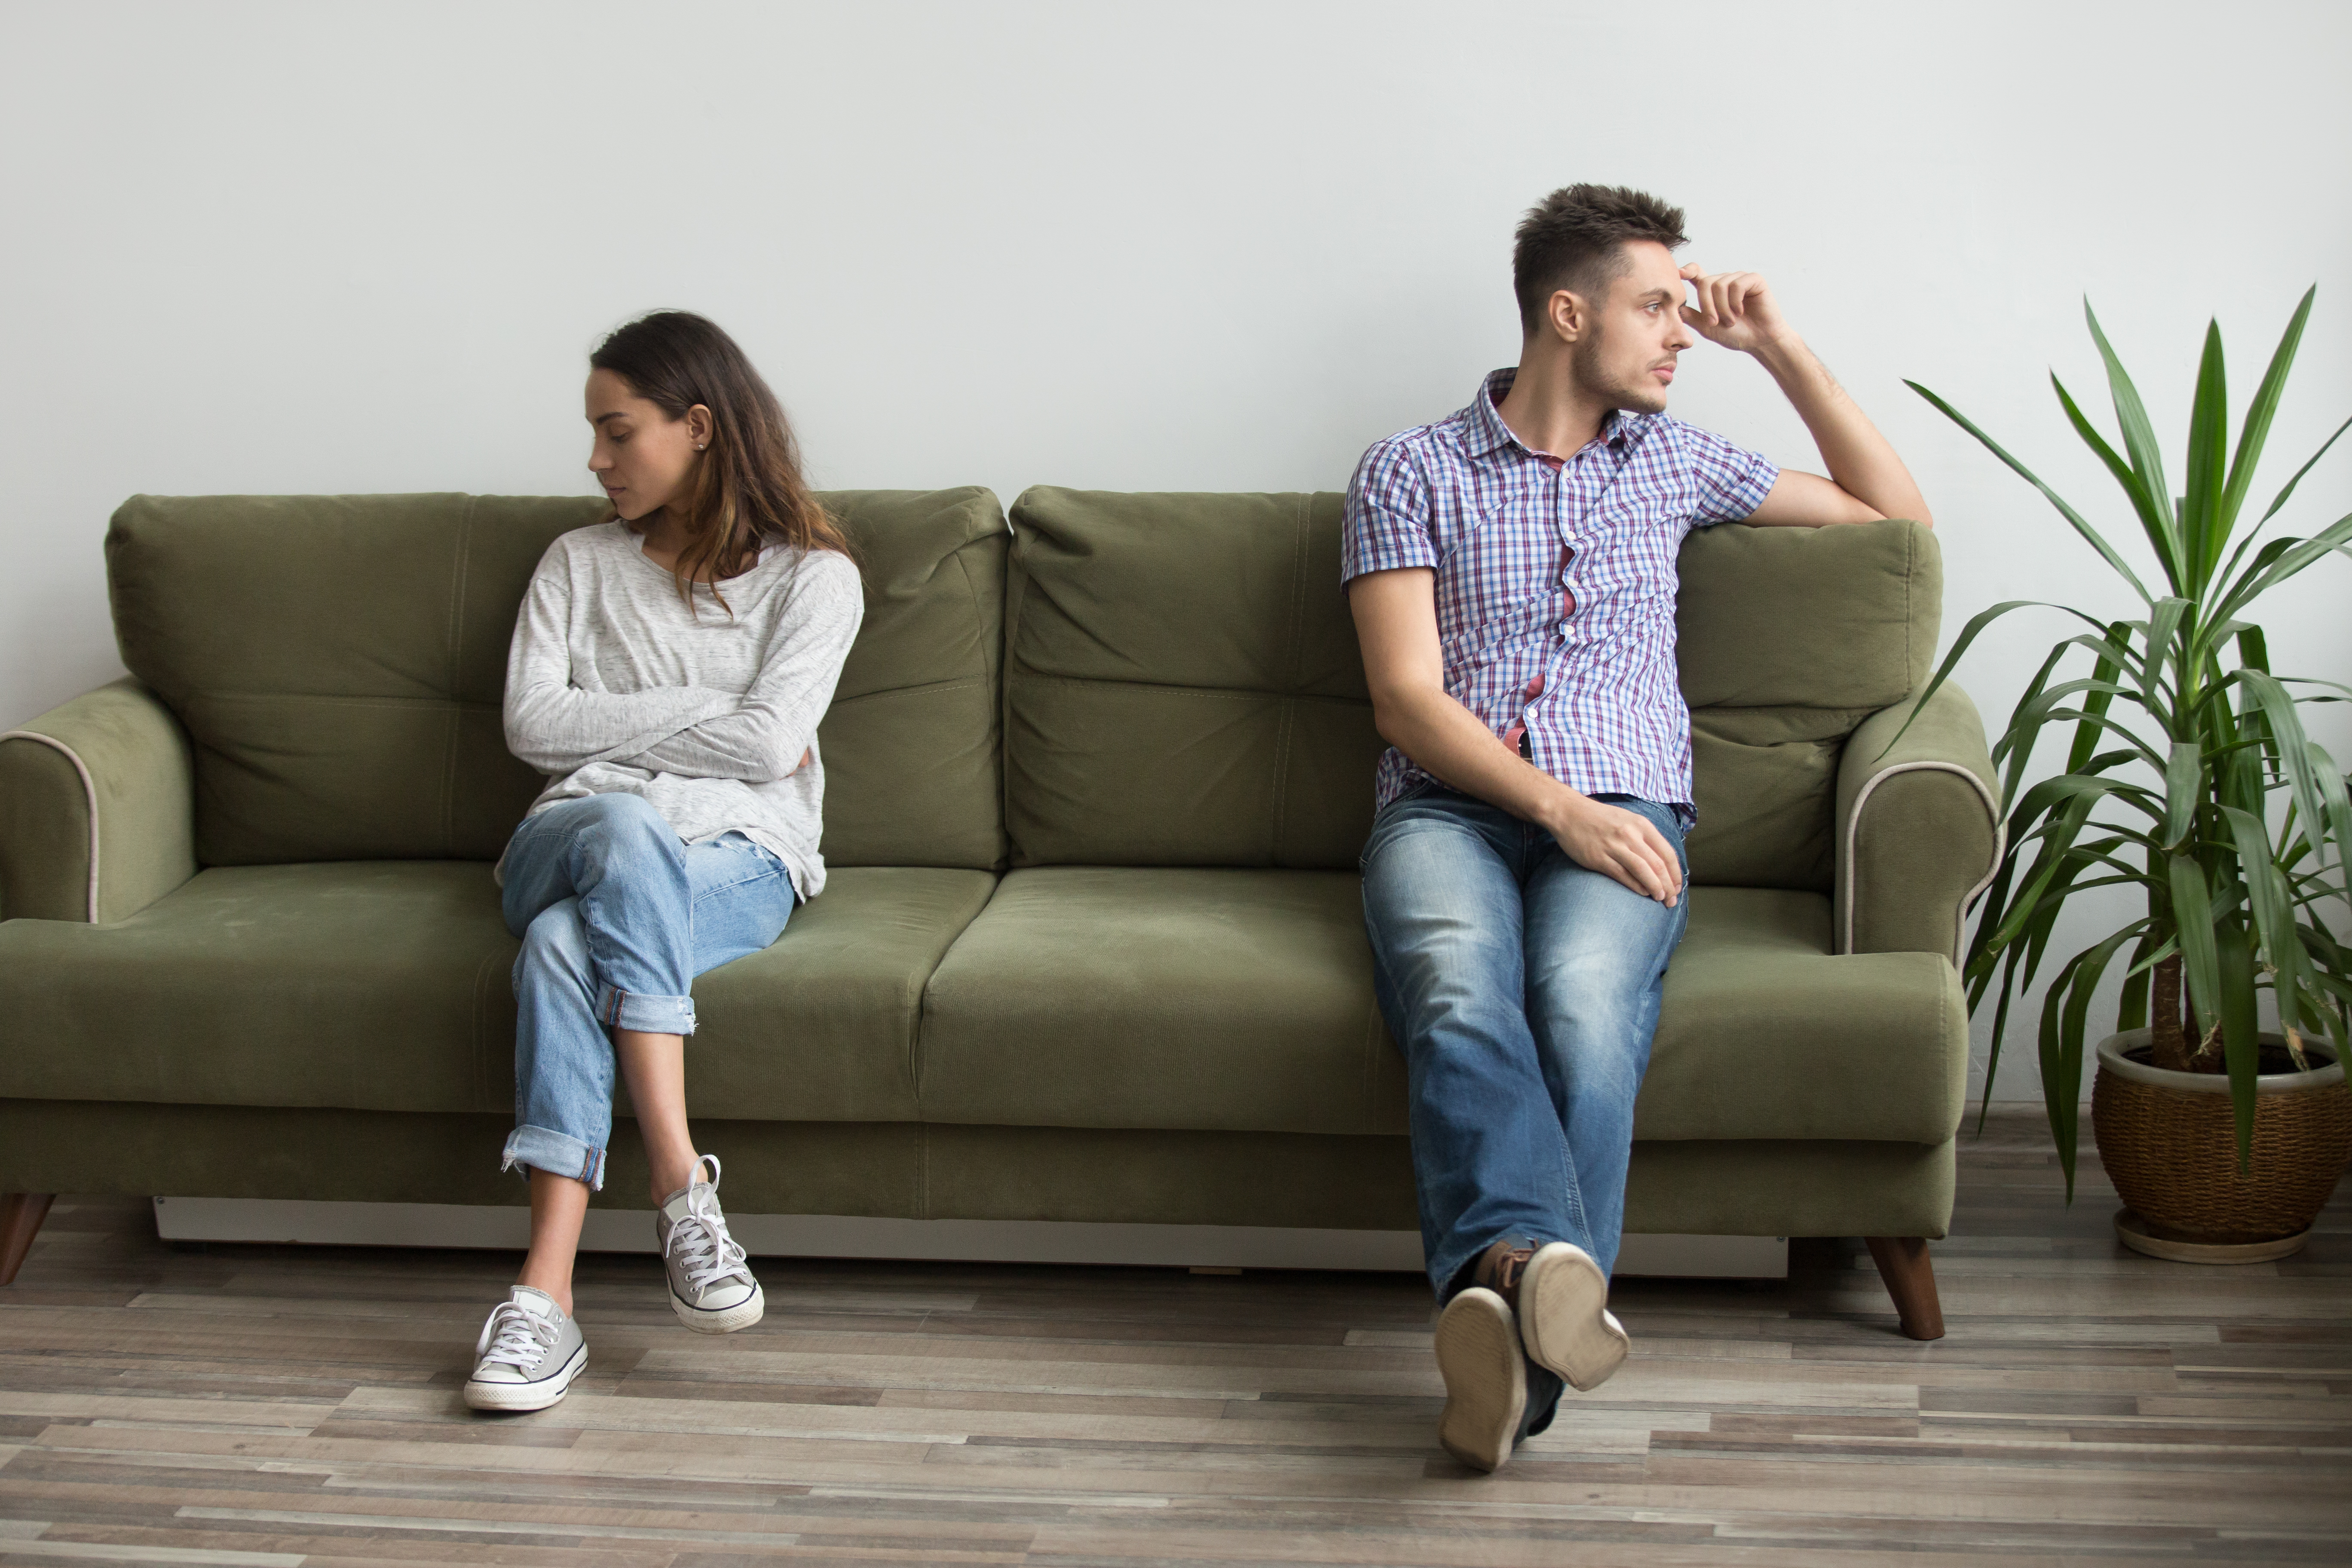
(1677, 438)
(1423, 441)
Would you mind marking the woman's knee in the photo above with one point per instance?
(554, 945)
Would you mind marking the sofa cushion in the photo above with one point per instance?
(1241, 1001)
(1787, 639)
(1112, 996)
(383, 987)
(339, 662)
(1183, 686)
(1765, 1033)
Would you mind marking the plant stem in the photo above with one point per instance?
(2168, 1045)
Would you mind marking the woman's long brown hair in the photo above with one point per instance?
(748, 490)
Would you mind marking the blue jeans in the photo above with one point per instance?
(1523, 991)
(617, 915)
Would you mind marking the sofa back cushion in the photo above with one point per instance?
(1183, 686)
(339, 662)
(1788, 637)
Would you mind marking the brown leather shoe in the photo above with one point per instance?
(1560, 1300)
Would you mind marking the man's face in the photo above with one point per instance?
(1626, 356)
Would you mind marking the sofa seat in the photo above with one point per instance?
(1241, 1001)
(1761, 1017)
(382, 986)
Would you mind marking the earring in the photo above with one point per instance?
(697, 446)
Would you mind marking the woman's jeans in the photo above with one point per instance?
(617, 916)
(1524, 990)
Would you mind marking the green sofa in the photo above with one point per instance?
(1092, 947)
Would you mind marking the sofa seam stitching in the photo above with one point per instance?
(90, 799)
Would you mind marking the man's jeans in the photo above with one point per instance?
(1524, 990)
(616, 916)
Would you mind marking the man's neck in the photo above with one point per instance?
(1547, 411)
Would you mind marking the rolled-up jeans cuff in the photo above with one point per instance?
(645, 1013)
(557, 1153)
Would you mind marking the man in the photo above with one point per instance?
(1511, 571)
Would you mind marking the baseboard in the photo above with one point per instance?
(957, 1241)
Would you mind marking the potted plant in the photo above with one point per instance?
(2187, 777)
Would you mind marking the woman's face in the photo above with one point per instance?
(643, 457)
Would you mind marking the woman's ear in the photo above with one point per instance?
(699, 426)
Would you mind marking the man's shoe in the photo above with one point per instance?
(710, 1284)
(1560, 1299)
(1485, 1381)
(527, 1355)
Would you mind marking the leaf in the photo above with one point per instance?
(2154, 518)
(2257, 427)
(2203, 535)
(2109, 665)
(2291, 750)
(2193, 911)
(2097, 542)
(2267, 891)
(2306, 468)
(2241, 1034)
(2163, 624)
(2139, 436)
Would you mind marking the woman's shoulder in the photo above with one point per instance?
(587, 548)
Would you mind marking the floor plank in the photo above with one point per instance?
(281, 1405)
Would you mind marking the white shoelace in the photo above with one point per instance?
(518, 1337)
(699, 1239)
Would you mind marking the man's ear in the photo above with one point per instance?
(1569, 317)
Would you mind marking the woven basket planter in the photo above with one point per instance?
(2169, 1141)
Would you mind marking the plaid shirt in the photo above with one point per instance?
(1554, 582)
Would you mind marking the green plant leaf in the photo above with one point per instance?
(2109, 663)
(2131, 415)
(2193, 911)
(2257, 430)
(2155, 516)
(2241, 1033)
(2292, 748)
(2184, 790)
(2266, 889)
(2264, 575)
(2098, 541)
(2163, 624)
(2310, 464)
(2203, 536)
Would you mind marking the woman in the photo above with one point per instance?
(667, 673)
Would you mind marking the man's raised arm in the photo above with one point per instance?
(1867, 482)
(1396, 626)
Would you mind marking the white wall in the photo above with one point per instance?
(341, 248)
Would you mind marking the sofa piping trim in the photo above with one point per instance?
(1853, 833)
(90, 796)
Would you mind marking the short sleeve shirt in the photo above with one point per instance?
(1554, 582)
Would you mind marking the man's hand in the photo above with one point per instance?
(1620, 844)
(1734, 310)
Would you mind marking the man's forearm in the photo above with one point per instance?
(1446, 741)
(1858, 457)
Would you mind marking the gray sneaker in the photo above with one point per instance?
(1485, 1380)
(710, 1284)
(527, 1355)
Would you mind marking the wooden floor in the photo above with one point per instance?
(251, 1405)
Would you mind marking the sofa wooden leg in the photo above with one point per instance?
(21, 1215)
(1910, 1278)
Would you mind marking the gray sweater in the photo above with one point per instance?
(613, 687)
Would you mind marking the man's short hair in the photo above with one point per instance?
(1574, 239)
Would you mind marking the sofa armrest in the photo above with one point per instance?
(1918, 826)
(97, 808)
